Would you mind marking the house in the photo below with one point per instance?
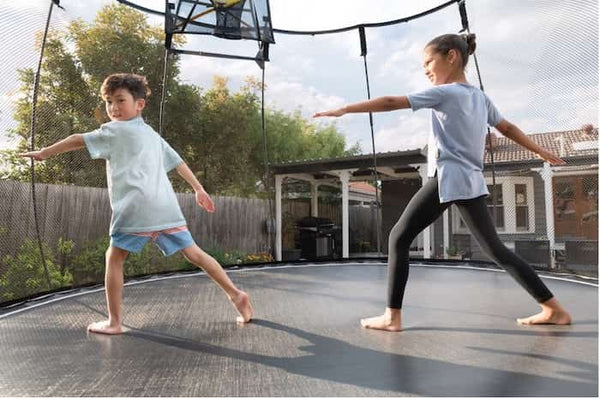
(552, 206)
(547, 214)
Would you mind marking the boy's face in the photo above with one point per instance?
(121, 106)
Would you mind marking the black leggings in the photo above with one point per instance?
(422, 210)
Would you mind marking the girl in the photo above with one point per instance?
(460, 115)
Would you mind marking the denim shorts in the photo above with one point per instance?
(168, 241)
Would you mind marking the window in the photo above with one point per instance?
(515, 212)
(499, 205)
(576, 206)
(564, 198)
(522, 208)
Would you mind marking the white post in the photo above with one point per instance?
(546, 173)
(429, 229)
(314, 199)
(345, 178)
(446, 233)
(278, 233)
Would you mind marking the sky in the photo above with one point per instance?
(538, 60)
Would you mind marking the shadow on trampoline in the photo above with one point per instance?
(460, 338)
(338, 361)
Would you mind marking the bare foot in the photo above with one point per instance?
(390, 321)
(104, 327)
(547, 317)
(243, 307)
(552, 313)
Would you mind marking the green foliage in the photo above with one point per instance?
(232, 257)
(23, 275)
(89, 264)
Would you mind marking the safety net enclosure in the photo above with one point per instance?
(304, 207)
(241, 141)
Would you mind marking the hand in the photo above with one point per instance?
(204, 200)
(550, 158)
(36, 155)
(333, 112)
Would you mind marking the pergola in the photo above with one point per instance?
(390, 166)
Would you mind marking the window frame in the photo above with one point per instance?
(509, 204)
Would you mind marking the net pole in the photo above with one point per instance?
(32, 127)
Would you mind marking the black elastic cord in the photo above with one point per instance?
(491, 148)
(462, 8)
(161, 111)
(363, 53)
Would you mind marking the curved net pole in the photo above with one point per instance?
(32, 127)
(363, 53)
(370, 25)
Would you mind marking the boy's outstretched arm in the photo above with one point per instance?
(202, 197)
(71, 143)
(513, 132)
(379, 104)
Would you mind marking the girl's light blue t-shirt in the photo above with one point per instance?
(137, 162)
(460, 114)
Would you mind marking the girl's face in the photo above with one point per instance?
(121, 106)
(440, 69)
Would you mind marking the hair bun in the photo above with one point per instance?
(471, 45)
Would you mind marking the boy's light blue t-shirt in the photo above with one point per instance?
(138, 159)
(460, 114)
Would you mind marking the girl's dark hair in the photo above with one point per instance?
(137, 85)
(464, 44)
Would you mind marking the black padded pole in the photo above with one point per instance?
(267, 179)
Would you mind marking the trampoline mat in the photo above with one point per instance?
(460, 338)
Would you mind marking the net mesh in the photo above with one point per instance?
(550, 217)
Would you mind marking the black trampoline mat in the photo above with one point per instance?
(460, 338)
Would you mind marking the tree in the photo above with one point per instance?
(217, 132)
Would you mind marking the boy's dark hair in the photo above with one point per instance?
(137, 85)
(464, 44)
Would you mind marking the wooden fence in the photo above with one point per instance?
(82, 214)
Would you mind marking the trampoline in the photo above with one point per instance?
(460, 338)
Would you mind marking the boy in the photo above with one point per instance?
(142, 199)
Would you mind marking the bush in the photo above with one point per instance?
(24, 275)
(88, 266)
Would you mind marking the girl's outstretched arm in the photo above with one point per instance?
(380, 104)
(515, 134)
(71, 143)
